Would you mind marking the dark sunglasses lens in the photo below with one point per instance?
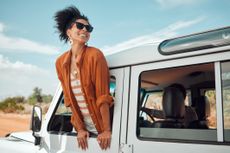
(89, 28)
(80, 25)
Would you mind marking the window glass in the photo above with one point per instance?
(112, 85)
(62, 109)
(154, 101)
(204, 40)
(211, 108)
(60, 121)
(179, 103)
(225, 68)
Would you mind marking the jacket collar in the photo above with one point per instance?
(67, 59)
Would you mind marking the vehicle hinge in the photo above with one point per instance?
(126, 148)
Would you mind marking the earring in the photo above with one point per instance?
(70, 41)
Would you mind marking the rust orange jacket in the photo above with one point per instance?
(94, 76)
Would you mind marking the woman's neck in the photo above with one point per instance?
(77, 49)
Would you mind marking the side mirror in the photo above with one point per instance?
(36, 123)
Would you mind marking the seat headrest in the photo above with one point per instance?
(173, 103)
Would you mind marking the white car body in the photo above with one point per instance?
(127, 68)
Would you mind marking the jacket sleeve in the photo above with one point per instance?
(102, 79)
(60, 77)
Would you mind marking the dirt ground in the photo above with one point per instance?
(13, 122)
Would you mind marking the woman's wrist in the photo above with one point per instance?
(107, 130)
(81, 130)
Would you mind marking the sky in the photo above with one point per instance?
(29, 42)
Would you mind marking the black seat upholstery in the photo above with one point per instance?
(174, 109)
(203, 111)
(202, 108)
(190, 115)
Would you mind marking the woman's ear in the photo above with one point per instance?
(68, 33)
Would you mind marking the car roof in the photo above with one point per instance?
(149, 53)
(217, 40)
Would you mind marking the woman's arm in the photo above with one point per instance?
(104, 139)
(104, 100)
(105, 114)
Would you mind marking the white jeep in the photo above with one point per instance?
(150, 115)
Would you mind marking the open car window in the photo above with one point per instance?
(179, 103)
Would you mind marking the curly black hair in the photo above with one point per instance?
(65, 18)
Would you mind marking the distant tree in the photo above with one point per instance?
(36, 96)
(47, 98)
(32, 100)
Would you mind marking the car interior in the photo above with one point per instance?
(162, 104)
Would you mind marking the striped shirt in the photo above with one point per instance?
(79, 96)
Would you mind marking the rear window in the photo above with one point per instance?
(195, 42)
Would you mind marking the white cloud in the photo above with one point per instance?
(18, 67)
(165, 33)
(19, 78)
(24, 45)
(181, 24)
(1, 27)
(175, 3)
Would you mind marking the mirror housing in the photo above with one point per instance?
(36, 123)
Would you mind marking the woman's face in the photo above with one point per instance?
(79, 35)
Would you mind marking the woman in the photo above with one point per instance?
(84, 76)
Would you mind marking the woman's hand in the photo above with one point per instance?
(104, 140)
(82, 139)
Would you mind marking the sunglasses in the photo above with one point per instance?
(80, 26)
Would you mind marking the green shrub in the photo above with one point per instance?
(47, 98)
(32, 100)
(9, 105)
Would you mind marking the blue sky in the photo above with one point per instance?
(29, 43)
